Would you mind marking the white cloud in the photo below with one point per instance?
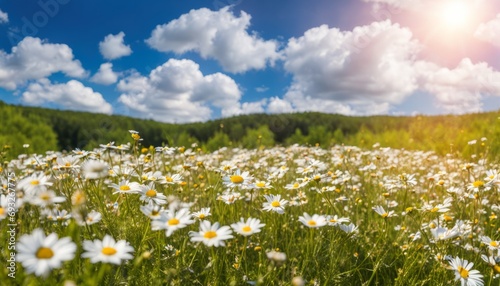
(4, 17)
(217, 35)
(177, 91)
(72, 95)
(489, 31)
(112, 47)
(34, 59)
(387, 8)
(461, 89)
(105, 75)
(363, 71)
(278, 105)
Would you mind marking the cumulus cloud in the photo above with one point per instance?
(489, 31)
(72, 95)
(278, 105)
(4, 17)
(396, 5)
(461, 89)
(218, 35)
(362, 71)
(34, 59)
(113, 47)
(177, 91)
(105, 75)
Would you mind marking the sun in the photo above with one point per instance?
(455, 14)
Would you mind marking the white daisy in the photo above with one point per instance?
(202, 214)
(464, 273)
(126, 187)
(274, 203)
(108, 250)
(314, 221)
(238, 179)
(94, 169)
(211, 234)
(248, 227)
(150, 195)
(172, 221)
(39, 254)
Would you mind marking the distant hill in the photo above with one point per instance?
(47, 129)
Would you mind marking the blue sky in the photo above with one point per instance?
(185, 61)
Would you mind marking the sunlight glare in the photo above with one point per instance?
(455, 13)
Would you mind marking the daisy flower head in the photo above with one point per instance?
(90, 218)
(350, 228)
(34, 183)
(248, 227)
(334, 220)
(126, 187)
(211, 234)
(464, 273)
(491, 244)
(202, 214)
(94, 169)
(170, 220)
(380, 210)
(39, 254)
(313, 221)
(262, 185)
(46, 198)
(152, 211)
(107, 250)
(150, 195)
(238, 179)
(274, 203)
(171, 179)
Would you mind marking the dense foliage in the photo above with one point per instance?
(442, 134)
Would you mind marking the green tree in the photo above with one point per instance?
(257, 138)
(17, 130)
(218, 141)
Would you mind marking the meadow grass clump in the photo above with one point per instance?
(128, 215)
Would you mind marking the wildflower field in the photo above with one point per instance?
(131, 215)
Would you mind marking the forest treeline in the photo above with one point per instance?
(47, 129)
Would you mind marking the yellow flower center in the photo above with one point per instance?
(384, 215)
(478, 184)
(201, 216)
(2, 211)
(210, 234)
(296, 185)
(173, 221)
(151, 193)
(35, 182)
(434, 209)
(275, 204)
(44, 253)
(124, 188)
(464, 273)
(169, 179)
(497, 268)
(108, 250)
(311, 223)
(246, 228)
(236, 179)
(494, 243)
(260, 184)
(45, 196)
(154, 213)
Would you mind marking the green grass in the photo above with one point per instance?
(351, 181)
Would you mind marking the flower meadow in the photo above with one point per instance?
(299, 215)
